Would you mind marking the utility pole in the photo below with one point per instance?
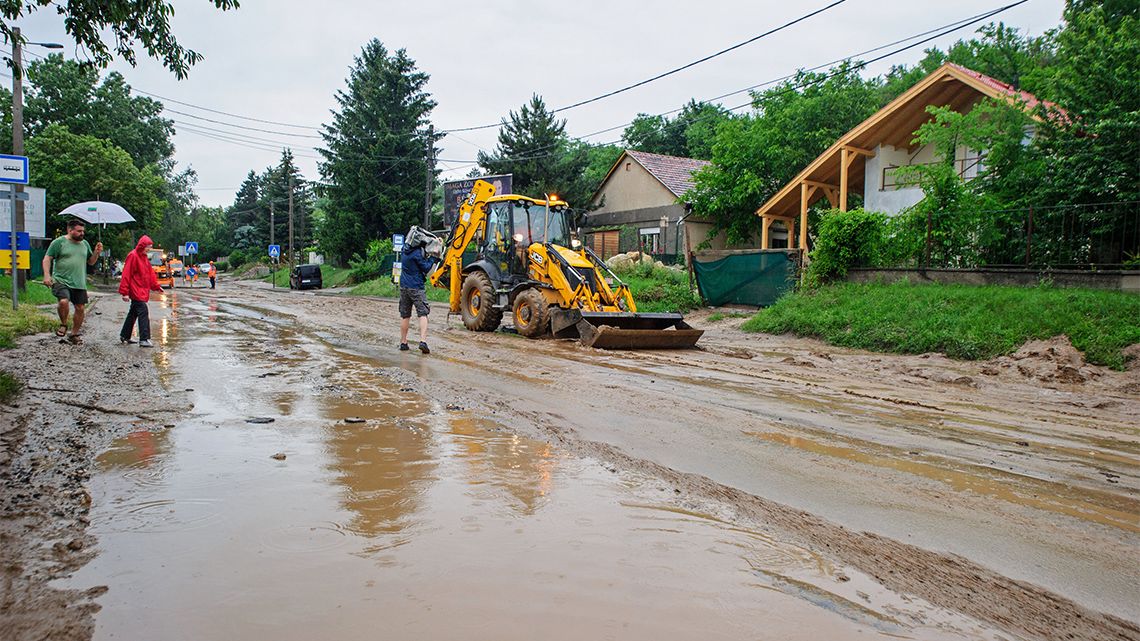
(19, 275)
(271, 223)
(429, 155)
(290, 220)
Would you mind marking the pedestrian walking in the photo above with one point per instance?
(416, 264)
(213, 274)
(65, 272)
(137, 283)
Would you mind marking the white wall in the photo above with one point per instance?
(892, 200)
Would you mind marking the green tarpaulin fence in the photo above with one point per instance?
(757, 278)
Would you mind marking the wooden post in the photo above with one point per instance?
(764, 225)
(803, 216)
(843, 179)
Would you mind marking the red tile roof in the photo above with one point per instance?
(1029, 99)
(674, 172)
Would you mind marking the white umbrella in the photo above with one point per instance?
(99, 213)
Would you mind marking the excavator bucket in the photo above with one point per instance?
(622, 330)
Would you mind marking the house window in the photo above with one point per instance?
(649, 240)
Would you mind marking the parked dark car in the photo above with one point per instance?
(305, 277)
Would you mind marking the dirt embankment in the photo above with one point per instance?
(77, 399)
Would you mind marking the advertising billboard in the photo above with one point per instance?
(35, 210)
(454, 191)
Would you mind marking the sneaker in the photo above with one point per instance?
(403, 347)
(145, 343)
(127, 341)
(424, 348)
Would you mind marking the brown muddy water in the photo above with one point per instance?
(422, 522)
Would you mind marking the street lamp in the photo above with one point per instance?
(18, 276)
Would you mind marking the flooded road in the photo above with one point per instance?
(370, 509)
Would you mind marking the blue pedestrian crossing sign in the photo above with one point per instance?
(191, 248)
(274, 251)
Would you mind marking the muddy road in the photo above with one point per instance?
(502, 488)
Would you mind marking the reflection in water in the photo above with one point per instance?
(522, 467)
(139, 449)
(385, 470)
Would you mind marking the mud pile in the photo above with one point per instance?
(1050, 361)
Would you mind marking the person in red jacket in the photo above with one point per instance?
(137, 282)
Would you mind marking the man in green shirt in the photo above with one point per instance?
(65, 272)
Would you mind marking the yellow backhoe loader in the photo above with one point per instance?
(516, 254)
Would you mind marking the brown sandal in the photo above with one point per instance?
(61, 331)
(74, 339)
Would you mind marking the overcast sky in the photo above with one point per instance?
(284, 60)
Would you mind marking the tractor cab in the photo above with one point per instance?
(514, 223)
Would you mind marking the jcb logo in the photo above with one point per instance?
(537, 258)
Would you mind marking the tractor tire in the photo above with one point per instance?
(532, 313)
(477, 303)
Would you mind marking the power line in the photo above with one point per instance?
(671, 71)
(944, 29)
(955, 26)
(220, 122)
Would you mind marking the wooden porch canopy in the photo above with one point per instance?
(840, 170)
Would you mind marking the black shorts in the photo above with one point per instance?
(410, 298)
(63, 292)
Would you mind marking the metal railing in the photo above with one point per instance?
(1088, 236)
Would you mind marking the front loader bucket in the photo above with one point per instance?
(622, 330)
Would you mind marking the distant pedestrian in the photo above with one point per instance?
(416, 264)
(65, 272)
(213, 274)
(138, 281)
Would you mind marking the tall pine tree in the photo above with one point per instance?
(374, 161)
(533, 146)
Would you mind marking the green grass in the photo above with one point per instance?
(330, 276)
(719, 316)
(26, 320)
(961, 321)
(36, 293)
(383, 287)
(10, 387)
(661, 290)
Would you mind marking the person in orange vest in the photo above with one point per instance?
(213, 274)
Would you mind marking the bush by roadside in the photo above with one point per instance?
(961, 321)
(660, 289)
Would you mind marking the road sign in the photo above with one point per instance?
(23, 255)
(182, 250)
(191, 272)
(398, 242)
(13, 169)
(191, 248)
(274, 251)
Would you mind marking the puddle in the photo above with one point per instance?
(421, 522)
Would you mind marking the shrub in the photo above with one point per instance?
(845, 240)
(371, 266)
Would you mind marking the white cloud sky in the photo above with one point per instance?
(284, 60)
